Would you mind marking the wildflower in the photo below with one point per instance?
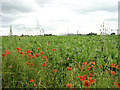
(17, 48)
(36, 55)
(31, 80)
(82, 78)
(38, 48)
(34, 85)
(117, 84)
(89, 68)
(78, 76)
(44, 56)
(53, 49)
(29, 55)
(84, 63)
(54, 70)
(33, 57)
(68, 68)
(86, 83)
(90, 74)
(6, 51)
(31, 64)
(68, 58)
(112, 72)
(113, 65)
(25, 53)
(106, 71)
(118, 66)
(91, 81)
(21, 52)
(85, 76)
(41, 52)
(93, 63)
(27, 63)
(48, 43)
(100, 66)
(10, 66)
(28, 51)
(4, 55)
(68, 85)
(46, 59)
(44, 64)
(61, 60)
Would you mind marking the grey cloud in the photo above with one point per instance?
(42, 3)
(15, 7)
(112, 19)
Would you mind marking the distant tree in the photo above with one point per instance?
(10, 31)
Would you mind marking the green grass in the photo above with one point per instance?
(103, 50)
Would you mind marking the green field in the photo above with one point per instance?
(60, 62)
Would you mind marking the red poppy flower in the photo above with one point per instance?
(89, 68)
(112, 72)
(34, 85)
(25, 53)
(6, 51)
(68, 68)
(33, 57)
(4, 55)
(78, 76)
(36, 55)
(100, 66)
(20, 48)
(29, 55)
(44, 64)
(90, 74)
(41, 52)
(53, 49)
(17, 48)
(113, 65)
(93, 63)
(44, 56)
(18, 51)
(84, 63)
(106, 71)
(38, 48)
(31, 64)
(27, 63)
(48, 43)
(54, 70)
(68, 85)
(31, 80)
(118, 66)
(117, 84)
(91, 81)
(86, 83)
(28, 51)
(82, 78)
(81, 69)
(21, 52)
(85, 76)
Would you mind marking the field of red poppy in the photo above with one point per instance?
(60, 62)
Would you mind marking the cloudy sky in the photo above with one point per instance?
(57, 16)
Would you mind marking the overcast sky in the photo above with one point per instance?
(57, 16)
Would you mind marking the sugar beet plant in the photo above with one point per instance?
(60, 62)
